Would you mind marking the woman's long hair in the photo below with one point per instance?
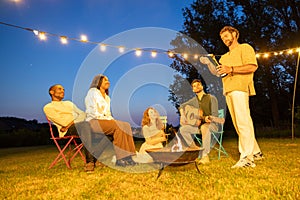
(146, 119)
(97, 81)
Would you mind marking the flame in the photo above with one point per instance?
(177, 146)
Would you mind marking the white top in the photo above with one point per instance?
(97, 106)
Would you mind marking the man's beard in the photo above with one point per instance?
(198, 91)
(229, 43)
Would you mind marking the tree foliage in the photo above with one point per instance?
(267, 25)
(15, 132)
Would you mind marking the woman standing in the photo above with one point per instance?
(97, 104)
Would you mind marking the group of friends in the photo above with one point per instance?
(238, 64)
(97, 119)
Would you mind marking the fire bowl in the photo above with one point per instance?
(165, 155)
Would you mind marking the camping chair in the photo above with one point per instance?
(65, 150)
(215, 137)
(164, 120)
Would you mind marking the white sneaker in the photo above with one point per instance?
(258, 156)
(244, 162)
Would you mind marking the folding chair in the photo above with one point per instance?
(66, 150)
(215, 135)
(164, 120)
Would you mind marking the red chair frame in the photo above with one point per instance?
(71, 153)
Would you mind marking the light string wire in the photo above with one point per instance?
(42, 35)
(64, 39)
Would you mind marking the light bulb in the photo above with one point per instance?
(153, 54)
(121, 49)
(138, 52)
(102, 47)
(42, 36)
(63, 39)
(83, 38)
(171, 54)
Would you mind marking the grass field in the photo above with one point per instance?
(24, 174)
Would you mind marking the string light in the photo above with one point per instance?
(83, 38)
(278, 53)
(185, 56)
(138, 51)
(171, 54)
(121, 49)
(153, 54)
(63, 39)
(42, 35)
(102, 47)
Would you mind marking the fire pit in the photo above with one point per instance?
(165, 156)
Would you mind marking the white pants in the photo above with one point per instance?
(187, 131)
(238, 105)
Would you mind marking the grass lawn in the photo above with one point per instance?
(24, 174)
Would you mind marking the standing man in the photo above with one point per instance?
(64, 114)
(239, 65)
(196, 114)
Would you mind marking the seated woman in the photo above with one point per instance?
(152, 128)
(97, 104)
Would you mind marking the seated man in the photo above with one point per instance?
(197, 113)
(65, 114)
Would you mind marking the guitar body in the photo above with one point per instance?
(193, 115)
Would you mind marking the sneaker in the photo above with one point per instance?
(204, 160)
(121, 163)
(130, 161)
(89, 167)
(258, 156)
(244, 162)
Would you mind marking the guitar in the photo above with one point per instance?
(193, 115)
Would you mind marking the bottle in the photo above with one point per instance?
(222, 75)
(217, 66)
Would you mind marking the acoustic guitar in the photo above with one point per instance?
(193, 115)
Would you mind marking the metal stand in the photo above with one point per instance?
(162, 167)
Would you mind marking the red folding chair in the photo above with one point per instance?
(66, 150)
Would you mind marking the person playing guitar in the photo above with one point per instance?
(199, 113)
